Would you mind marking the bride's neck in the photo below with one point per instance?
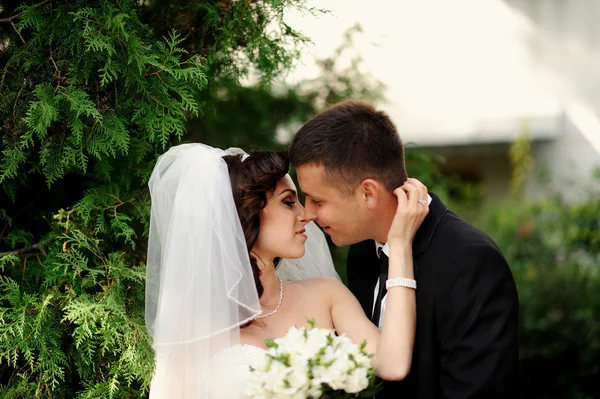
(268, 279)
(270, 283)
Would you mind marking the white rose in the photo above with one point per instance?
(345, 342)
(299, 359)
(317, 340)
(315, 390)
(293, 338)
(329, 355)
(335, 375)
(363, 360)
(298, 378)
(277, 373)
(357, 381)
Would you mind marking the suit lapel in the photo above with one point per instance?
(437, 209)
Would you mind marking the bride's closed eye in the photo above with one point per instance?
(289, 202)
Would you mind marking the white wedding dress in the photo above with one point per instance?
(229, 371)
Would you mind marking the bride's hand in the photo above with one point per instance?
(410, 212)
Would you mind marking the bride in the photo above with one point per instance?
(232, 261)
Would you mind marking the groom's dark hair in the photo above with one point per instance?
(353, 141)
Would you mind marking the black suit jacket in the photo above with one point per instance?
(466, 342)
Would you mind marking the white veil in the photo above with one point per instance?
(316, 261)
(199, 283)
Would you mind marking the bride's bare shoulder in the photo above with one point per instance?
(318, 283)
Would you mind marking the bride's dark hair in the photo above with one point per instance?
(251, 181)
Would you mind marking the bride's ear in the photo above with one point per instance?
(370, 192)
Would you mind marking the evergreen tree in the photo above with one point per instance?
(90, 93)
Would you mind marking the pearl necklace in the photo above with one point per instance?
(278, 303)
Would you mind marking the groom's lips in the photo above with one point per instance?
(325, 228)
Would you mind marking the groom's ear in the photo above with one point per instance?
(370, 192)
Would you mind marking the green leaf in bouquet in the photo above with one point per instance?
(283, 358)
(352, 360)
(329, 339)
(270, 343)
(363, 345)
(329, 363)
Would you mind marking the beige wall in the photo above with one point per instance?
(569, 43)
(486, 164)
(566, 165)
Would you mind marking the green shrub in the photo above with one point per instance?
(553, 248)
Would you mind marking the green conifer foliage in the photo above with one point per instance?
(91, 91)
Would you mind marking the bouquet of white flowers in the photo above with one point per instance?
(313, 363)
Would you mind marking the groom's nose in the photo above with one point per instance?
(310, 213)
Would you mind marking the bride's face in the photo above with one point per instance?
(282, 223)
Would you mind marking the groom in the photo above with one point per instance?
(348, 159)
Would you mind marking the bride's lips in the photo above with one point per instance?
(301, 233)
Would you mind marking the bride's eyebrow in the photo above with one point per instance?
(288, 190)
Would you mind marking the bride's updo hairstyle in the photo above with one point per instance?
(251, 181)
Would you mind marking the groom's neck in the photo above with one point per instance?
(382, 220)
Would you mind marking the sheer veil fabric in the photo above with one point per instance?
(199, 283)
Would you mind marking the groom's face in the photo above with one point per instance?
(342, 216)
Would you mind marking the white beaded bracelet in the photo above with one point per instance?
(401, 282)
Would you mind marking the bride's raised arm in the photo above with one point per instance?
(393, 346)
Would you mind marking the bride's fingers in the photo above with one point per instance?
(423, 193)
(415, 182)
(417, 200)
(402, 197)
(412, 192)
(408, 216)
(423, 197)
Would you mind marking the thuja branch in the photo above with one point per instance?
(11, 19)
(35, 247)
(114, 207)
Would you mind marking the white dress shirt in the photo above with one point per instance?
(386, 250)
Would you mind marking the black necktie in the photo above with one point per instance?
(383, 274)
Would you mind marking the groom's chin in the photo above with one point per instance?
(339, 241)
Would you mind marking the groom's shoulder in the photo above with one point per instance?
(455, 229)
(455, 237)
(445, 229)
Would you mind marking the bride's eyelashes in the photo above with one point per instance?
(289, 202)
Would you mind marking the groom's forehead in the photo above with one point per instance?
(311, 173)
